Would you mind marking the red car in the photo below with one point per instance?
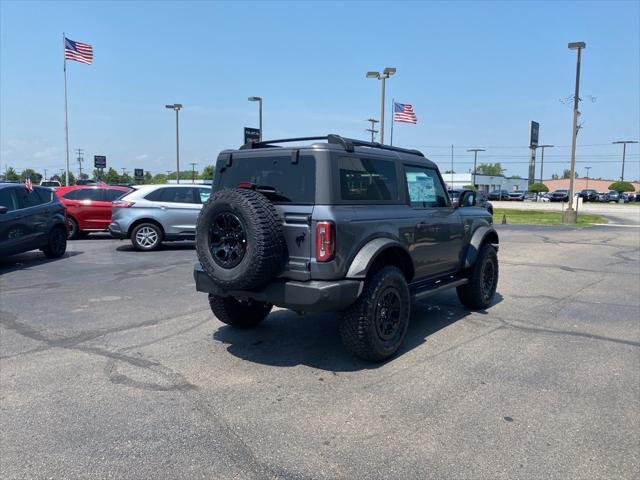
(89, 207)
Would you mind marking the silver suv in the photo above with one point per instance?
(152, 214)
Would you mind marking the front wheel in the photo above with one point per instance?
(146, 237)
(239, 313)
(374, 327)
(56, 243)
(483, 280)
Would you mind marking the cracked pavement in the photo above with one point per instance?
(112, 366)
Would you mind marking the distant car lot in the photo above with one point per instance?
(113, 366)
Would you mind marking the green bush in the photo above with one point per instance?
(538, 188)
(622, 187)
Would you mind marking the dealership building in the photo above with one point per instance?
(485, 183)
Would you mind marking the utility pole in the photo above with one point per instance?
(373, 128)
(176, 107)
(475, 161)
(570, 215)
(452, 166)
(542, 160)
(624, 153)
(45, 174)
(587, 169)
(193, 172)
(79, 151)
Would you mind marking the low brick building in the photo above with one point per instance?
(583, 183)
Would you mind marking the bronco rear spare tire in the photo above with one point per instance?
(239, 239)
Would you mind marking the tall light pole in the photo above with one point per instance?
(587, 169)
(193, 172)
(542, 159)
(373, 128)
(177, 107)
(570, 215)
(259, 100)
(386, 73)
(624, 153)
(475, 161)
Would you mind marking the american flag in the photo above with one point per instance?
(28, 185)
(403, 112)
(80, 52)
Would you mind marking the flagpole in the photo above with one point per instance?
(66, 117)
(393, 116)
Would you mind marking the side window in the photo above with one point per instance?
(94, 194)
(204, 194)
(177, 195)
(367, 179)
(155, 195)
(111, 195)
(72, 195)
(45, 194)
(425, 188)
(9, 198)
(31, 199)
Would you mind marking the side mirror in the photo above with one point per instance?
(3, 209)
(467, 199)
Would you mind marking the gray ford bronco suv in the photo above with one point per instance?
(341, 225)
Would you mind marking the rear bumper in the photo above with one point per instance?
(116, 232)
(311, 296)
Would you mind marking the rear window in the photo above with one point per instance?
(281, 180)
(84, 194)
(367, 179)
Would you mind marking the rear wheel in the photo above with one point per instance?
(239, 313)
(374, 327)
(146, 237)
(483, 280)
(56, 243)
(73, 228)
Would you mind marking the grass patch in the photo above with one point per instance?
(537, 217)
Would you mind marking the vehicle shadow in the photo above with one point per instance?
(188, 245)
(22, 261)
(286, 339)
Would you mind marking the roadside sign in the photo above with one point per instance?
(99, 161)
(251, 135)
(138, 173)
(533, 138)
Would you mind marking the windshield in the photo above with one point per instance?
(276, 177)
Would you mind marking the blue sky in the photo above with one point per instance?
(476, 72)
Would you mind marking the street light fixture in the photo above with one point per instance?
(259, 100)
(624, 153)
(176, 107)
(475, 161)
(542, 159)
(386, 73)
(570, 215)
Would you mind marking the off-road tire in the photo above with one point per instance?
(477, 294)
(155, 237)
(238, 313)
(56, 242)
(361, 324)
(259, 245)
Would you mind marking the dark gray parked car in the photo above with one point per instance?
(341, 225)
(31, 220)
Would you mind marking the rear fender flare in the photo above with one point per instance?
(367, 254)
(482, 235)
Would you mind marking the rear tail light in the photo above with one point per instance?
(122, 204)
(325, 241)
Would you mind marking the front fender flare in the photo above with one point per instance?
(367, 254)
(477, 239)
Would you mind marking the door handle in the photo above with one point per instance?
(423, 225)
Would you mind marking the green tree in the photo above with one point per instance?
(538, 188)
(555, 176)
(31, 173)
(148, 178)
(566, 173)
(207, 173)
(10, 175)
(493, 169)
(159, 179)
(111, 176)
(622, 187)
(125, 178)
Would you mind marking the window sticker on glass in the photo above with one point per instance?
(421, 187)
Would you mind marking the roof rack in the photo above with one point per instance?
(347, 143)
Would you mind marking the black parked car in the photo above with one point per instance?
(477, 199)
(31, 220)
(588, 195)
(559, 196)
(499, 195)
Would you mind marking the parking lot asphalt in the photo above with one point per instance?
(112, 366)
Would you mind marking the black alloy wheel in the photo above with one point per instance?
(228, 240)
